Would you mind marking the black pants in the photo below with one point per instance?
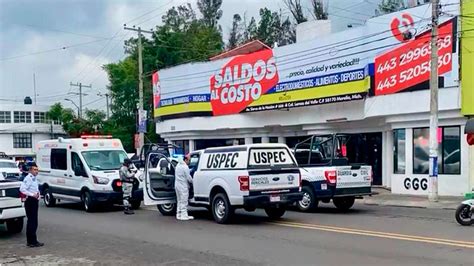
(31, 208)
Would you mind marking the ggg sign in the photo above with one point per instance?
(415, 183)
(241, 81)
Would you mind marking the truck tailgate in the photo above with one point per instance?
(260, 180)
(353, 176)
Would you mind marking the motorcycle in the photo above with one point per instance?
(465, 210)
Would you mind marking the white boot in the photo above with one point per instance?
(186, 217)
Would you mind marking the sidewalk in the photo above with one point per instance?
(386, 198)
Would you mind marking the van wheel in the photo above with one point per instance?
(89, 205)
(221, 209)
(48, 198)
(275, 212)
(167, 209)
(15, 226)
(344, 203)
(309, 201)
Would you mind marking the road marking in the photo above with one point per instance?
(343, 230)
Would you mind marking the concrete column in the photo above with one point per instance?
(281, 140)
(387, 158)
(265, 140)
(192, 145)
(248, 140)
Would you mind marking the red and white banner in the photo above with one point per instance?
(242, 81)
(156, 90)
(409, 64)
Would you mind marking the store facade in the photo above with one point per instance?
(371, 80)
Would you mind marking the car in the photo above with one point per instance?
(84, 170)
(9, 169)
(12, 212)
(227, 178)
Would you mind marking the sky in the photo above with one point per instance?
(53, 43)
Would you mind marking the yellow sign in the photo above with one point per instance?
(467, 58)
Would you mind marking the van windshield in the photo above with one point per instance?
(104, 160)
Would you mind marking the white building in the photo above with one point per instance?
(22, 126)
(364, 80)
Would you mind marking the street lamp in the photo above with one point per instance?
(78, 110)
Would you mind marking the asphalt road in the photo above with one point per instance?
(368, 235)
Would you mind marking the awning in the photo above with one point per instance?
(469, 126)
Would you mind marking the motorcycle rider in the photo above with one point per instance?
(127, 175)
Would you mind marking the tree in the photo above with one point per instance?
(182, 38)
(319, 11)
(389, 6)
(74, 126)
(250, 30)
(211, 12)
(236, 34)
(296, 10)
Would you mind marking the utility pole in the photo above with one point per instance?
(141, 134)
(433, 169)
(106, 101)
(79, 84)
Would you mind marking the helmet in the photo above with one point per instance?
(127, 162)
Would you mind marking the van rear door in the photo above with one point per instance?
(272, 168)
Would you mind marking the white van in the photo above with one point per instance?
(84, 170)
(224, 179)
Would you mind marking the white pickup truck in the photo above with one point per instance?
(11, 208)
(248, 176)
(328, 173)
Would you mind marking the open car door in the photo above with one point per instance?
(159, 180)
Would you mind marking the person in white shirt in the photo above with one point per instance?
(29, 187)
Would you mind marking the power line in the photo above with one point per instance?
(312, 63)
(303, 53)
(51, 50)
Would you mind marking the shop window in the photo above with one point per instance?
(449, 150)
(5, 117)
(257, 140)
(183, 146)
(273, 140)
(399, 155)
(21, 117)
(59, 159)
(22, 140)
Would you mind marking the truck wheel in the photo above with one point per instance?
(275, 212)
(15, 225)
(221, 209)
(309, 201)
(344, 203)
(89, 205)
(48, 198)
(167, 209)
(136, 204)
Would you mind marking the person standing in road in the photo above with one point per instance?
(182, 182)
(126, 176)
(29, 187)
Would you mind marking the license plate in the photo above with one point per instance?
(274, 198)
(3, 193)
(324, 186)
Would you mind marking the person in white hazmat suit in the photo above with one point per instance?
(182, 182)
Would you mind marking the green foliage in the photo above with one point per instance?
(389, 6)
(319, 12)
(92, 123)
